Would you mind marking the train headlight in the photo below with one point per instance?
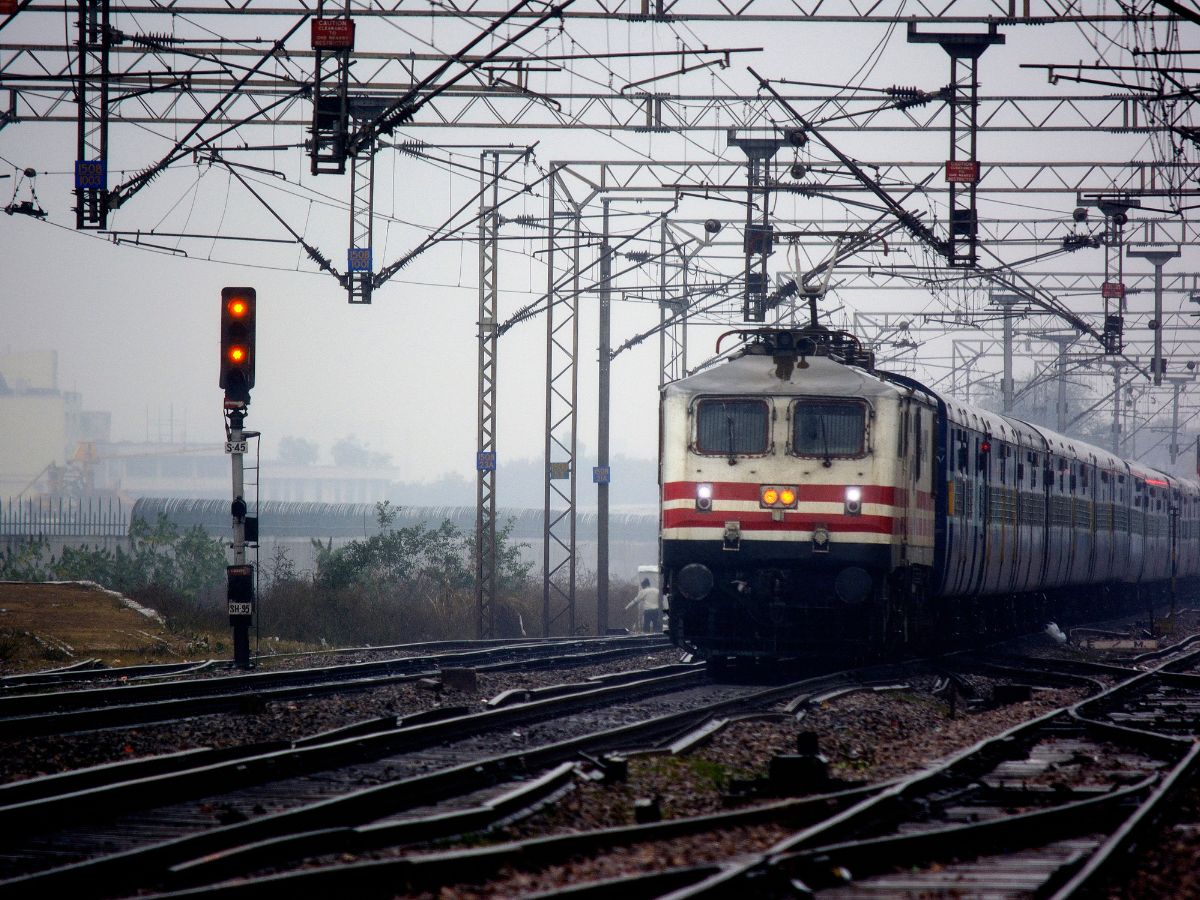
(853, 504)
(704, 495)
(775, 496)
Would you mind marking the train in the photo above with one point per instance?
(814, 505)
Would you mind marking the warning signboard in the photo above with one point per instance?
(331, 34)
(1112, 290)
(962, 171)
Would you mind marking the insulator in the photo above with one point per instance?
(152, 39)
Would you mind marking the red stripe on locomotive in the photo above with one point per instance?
(763, 520)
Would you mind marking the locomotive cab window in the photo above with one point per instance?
(726, 427)
(828, 429)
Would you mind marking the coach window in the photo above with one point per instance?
(732, 427)
(826, 429)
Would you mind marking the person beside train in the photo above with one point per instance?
(649, 603)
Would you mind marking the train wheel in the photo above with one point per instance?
(717, 667)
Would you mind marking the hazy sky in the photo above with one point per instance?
(137, 331)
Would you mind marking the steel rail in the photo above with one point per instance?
(431, 871)
(122, 870)
(474, 643)
(49, 801)
(98, 671)
(434, 870)
(63, 711)
(461, 653)
(1101, 863)
(820, 849)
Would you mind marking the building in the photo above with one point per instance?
(44, 432)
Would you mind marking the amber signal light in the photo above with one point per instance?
(237, 342)
(773, 496)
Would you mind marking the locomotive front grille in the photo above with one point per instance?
(760, 605)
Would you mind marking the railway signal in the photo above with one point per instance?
(237, 378)
(237, 342)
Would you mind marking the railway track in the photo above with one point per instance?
(30, 712)
(1047, 808)
(93, 670)
(448, 761)
(394, 783)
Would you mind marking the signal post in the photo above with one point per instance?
(237, 378)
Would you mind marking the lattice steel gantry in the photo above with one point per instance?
(963, 166)
(562, 387)
(485, 461)
(359, 279)
(332, 41)
(94, 42)
(758, 235)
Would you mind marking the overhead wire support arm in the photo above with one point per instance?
(907, 219)
(313, 253)
(437, 235)
(1180, 10)
(683, 314)
(120, 194)
(841, 253)
(543, 303)
(407, 106)
(723, 63)
(1004, 276)
(925, 234)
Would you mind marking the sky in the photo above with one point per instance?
(137, 331)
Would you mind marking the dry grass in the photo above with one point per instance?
(47, 625)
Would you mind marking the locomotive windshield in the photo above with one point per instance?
(828, 428)
(727, 427)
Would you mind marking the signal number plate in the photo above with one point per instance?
(236, 446)
(241, 609)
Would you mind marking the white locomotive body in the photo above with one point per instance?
(810, 504)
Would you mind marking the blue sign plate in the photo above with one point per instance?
(485, 461)
(358, 259)
(91, 175)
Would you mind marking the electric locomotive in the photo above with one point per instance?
(811, 505)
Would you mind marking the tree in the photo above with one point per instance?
(352, 453)
(298, 451)
(188, 563)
